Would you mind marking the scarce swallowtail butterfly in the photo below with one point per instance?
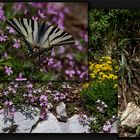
(40, 37)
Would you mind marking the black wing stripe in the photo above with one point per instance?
(64, 43)
(22, 22)
(14, 26)
(28, 21)
(59, 36)
(19, 25)
(67, 40)
(45, 32)
(65, 35)
(52, 31)
(22, 26)
(41, 31)
(48, 35)
(18, 19)
(32, 26)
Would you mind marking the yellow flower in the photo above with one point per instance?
(109, 62)
(101, 73)
(101, 60)
(104, 76)
(116, 67)
(107, 58)
(92, 75)
(101, 78)
(102, 69)
(107, 67)
(85, 85)
(115, 77)
(115, 86)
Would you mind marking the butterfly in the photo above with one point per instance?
(39, 37)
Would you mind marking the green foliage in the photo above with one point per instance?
(103, 91)
(106, 25)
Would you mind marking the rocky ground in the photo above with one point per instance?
(28, 122)
(129, 125)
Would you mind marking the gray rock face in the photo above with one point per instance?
(21, 123)
(4, 122)
(61, 111)
(49, 126)
(25, 122)
(114, 128)
(52, 125)
(131, 116)
(75, 127)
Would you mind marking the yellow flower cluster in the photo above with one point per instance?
(103, 69)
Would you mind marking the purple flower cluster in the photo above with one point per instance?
(20, 77)
(9, 109)
(8, 70)
(43, 113)
(18, 6)
(36, 96)
(83, 119)
(29, 95)
(3, 37)
(57, 12)
(58, 96)
(2, 17)
(107, 127)
(84, 36)
(11, 89)
(5, 55)
(38, 5)
(69, 68)
(10, 29)
(16, 43)
(43, 100)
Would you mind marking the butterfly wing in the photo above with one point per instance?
(54, 36)
(44, 35)
(27, 28)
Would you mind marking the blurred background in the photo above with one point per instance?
(69, 62)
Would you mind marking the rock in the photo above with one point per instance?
(114, 128)
(5, 122)
(25, 124)
(75, 91)
(1, 121)
(52, 125)
(48, 126)
(60, 109)
(49, 106)
(131, 116)
(75, 127)
(21, 122)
